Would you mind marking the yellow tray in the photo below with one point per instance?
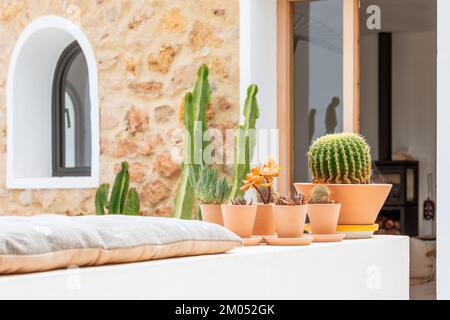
(352, 228)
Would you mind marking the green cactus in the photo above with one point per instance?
(245, 142)
(122, 200)
(132, 203)
(101, 199)
(195, 106)
(320, 194)
(342, 158)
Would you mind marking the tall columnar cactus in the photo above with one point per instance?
(342, 158)
(194, 119)
(122, 201)
(245, 142)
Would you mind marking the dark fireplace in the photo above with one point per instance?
(400, 214)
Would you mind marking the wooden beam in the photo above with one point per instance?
(285, 93)
(351, 65)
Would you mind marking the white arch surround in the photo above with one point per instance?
(29, 105)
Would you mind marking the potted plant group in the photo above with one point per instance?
(239, 217)
(290, 214)
(211, 191)
(323, 212)
(261, 180)
(343, 163)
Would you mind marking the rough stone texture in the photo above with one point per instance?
(154, 192)
(137, 121)
(148, 54)
(164, 113)
(161, 62)
(165, 166)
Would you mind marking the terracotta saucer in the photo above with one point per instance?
(328, 237)
(253, 241)
(275, 241)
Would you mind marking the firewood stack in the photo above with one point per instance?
(388, 225)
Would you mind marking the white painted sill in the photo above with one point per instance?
(375, 268)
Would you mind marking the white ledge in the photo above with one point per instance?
(375, 268)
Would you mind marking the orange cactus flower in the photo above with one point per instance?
(255, 179)
(262, 177)
(270, 169)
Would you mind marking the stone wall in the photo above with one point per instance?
(148, 52)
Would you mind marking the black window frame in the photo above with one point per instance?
(58, 113)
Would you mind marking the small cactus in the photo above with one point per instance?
(320, 194)
(342, 158)
(241, 202)
(122, 200)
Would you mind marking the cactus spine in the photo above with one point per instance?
(195, 106)
(122, 200)
(342, 158)
(245, 142)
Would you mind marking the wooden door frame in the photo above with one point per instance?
(285, 82)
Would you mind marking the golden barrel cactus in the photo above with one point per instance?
(342, 158)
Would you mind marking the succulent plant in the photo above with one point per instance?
(194, 120)
(122, 200)
(320, 194)
(292, 199)
(245, 142)
(209, 189)
(342, 158)
(261, 179)
(241, 202)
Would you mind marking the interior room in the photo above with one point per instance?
(398, 73)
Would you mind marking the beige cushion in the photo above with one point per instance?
(47, 242)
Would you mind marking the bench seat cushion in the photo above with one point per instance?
(48, 242)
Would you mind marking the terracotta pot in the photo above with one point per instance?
(361, 203)
(212, 213)
(239, 219)
(323, 218)
(290, 220)
(264, 221)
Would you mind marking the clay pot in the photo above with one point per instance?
(361, 203)
(264, 221)
(239, 219)
(323, 218)
(212, 213)
(290, 220)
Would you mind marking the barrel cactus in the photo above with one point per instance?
(342, 158)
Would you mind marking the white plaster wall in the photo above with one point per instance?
(258, 54)
(443, 151)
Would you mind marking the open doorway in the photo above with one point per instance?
(398, 72)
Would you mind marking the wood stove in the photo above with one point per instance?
(400, 214)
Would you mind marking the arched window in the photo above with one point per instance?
(71, 115)
(53, 108)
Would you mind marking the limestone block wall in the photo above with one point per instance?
(148, 52)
